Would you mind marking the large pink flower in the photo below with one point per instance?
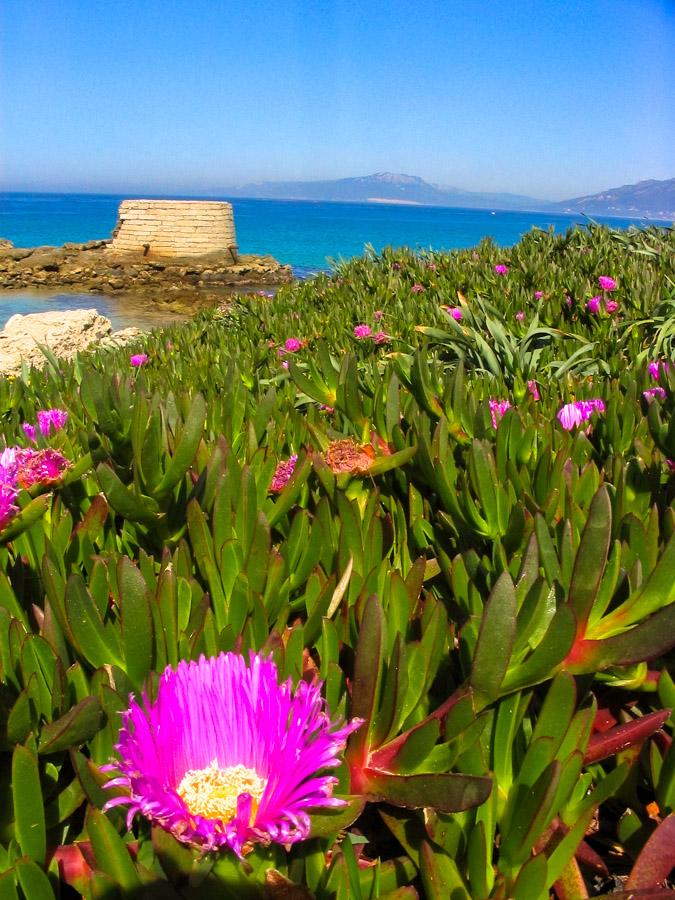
(228, 757)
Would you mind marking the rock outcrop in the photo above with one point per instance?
(65, 333)
(96, 267)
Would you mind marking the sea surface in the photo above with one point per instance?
(305, 234)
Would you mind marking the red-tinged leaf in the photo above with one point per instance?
(367, 674)
(607, 743)
(571, 884)
(94, 519)
(587, 856)
(447, 793)
(591, 558)
(656, 859)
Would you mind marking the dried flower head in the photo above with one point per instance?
(282, 474)
(226, 756)
(346, 455)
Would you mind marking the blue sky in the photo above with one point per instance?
(551, 98)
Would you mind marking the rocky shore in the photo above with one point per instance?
(95, 267)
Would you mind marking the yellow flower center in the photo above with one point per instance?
(213, 792)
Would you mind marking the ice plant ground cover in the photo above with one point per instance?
(278, 527)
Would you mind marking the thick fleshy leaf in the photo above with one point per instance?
(76, 726)
(656, 859)
(591, 558)
(112, 854)
(612, 741)
(447, 793)
(495, 639)
(29, 814)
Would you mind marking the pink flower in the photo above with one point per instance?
(138, 360)
(538, 295)
(520, 316)
(362, 331)
(417, 288)
(432, 267)
(227, 756)
(396, 266)
(284, 364)
(282, 474)
(593, 305)
(656, 366)
(29, 431)
(327, 409)
(51, 420)
(381, 337)
(501, 269)
(568, 300)
(454, 311)
(8, 509)
(497, 410)
(606, 283)
(378, 315)
(533, 390)
(611, 306)
(292, 345)
(654, 392)
(575, 413)
(39, 467)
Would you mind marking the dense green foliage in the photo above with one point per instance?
(497, 602)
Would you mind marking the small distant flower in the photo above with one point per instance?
(654, 392)
(575, 413)
(8, 509)
(292, 345)
(381, 337)
(138, 360)
(227, 756)
(454, 311)
(520, 316)
(29, 431)
(568, 300)
(593, 305)
(671, 464)
(501, 269)
(362, 331)
(432, 267)
(497, 410)
(611, 306)
(327, 409)
(606, 283)
(417, 288)
(378, 315)
(51, 420)
(396, 266)
(282, 474)
(538, 295)
(533, 390)
(656, 367)
(284, 364)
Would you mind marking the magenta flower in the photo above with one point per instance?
(396, 266)
(593, 305)
(501, 269)
(538, 295)
(378, 315)
(606, 283)
(292, 345)
(8, 509)
(51, 420)
(454, 312)
(29, 431)
(568, 300)
(497, 410)
(656, 367)
(228, 757)
(533, 390)
(381, 337)
(654, 392)
(282, 474)
(520, 316)
(39, 467)
(611, 306)
(138, 360)
(362, 331)
(432, 267)
(417, 288)
(575, 413)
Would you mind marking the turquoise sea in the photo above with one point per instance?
(305, 234)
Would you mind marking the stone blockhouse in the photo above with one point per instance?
(175, 228)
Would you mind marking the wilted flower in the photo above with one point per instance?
(501, 269)
(39, 467)
(138, 359)
(282, 474)
(346, 455)
(593, 305)
(520, 316)
(292, 345)
(362, 331)
(656, 367)
(417, 288)
(497, 410)
(575, 413)
(611, 306)
(381, 337)
(533, 390)
(654, 392)
(228, 757)
(51, 420)
(606, 283)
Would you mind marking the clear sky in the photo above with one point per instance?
(551, 98)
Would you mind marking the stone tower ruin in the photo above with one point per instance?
(175, 228)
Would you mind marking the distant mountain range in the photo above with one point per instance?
(653, 199)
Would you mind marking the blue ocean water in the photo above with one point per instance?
(304, 234)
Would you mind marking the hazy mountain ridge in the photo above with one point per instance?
(654, 199)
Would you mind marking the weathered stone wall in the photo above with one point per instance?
(170, 228)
